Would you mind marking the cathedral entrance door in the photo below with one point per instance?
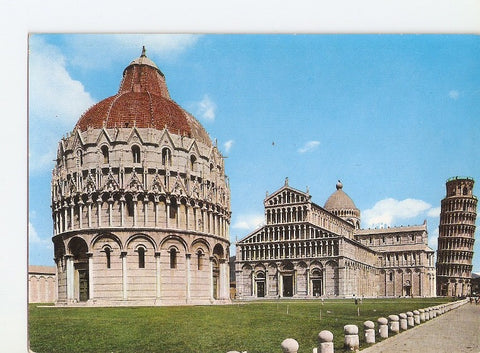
(317, 287)
(408, 291)
(260, 289)
(287, 285)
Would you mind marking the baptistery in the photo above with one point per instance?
(140, 202)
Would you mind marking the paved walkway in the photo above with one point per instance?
(457, 331)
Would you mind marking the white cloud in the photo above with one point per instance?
(433, 239)
(53, 94)
(249, 221)
(124, 47)
(206, 109)
(38, 162)
(434, 212)
(388, 211)
(454, 94)
(228, 145)
(35, 239)
(309, 146)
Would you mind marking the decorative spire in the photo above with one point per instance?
(286, 181)
(144, 52)
(339, 185)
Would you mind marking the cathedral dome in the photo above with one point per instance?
(339, 200)
(341, 205)
(143, 101)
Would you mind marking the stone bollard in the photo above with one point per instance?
(383, 327)
(325, 342)
(410, 320)
(433, 312)
(352, 342)
(416, 317)
(427, 314)
(369, 328)
(403, 321)
(394, 325)
(422, 315)
(289, 345)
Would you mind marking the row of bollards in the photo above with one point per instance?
(393, 325)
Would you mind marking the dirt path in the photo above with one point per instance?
(457, 331)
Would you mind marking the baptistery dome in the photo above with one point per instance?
(340, 204)
(140, 201)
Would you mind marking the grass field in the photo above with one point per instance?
(256, 327)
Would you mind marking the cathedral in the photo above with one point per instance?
(140, 202)
(308, 251)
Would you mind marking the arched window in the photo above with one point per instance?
(465, 191)
(193, 159)
(173, 258)
(141, 257)
(107, 255)
(391, 276)
(105, 154)
(199, 260)
(79, 158)
(136, 154)
(166, 157)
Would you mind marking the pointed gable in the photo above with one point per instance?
(286, 194)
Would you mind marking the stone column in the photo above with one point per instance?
(145, 211)
(155, 201)
(187, 258)
(122, 211)
(70, 279)
(134, 201)
(167, 212)
(211, 278)
(90, 276)
(72, 205)
(158, 278)
(123, 254)
(80, 214)
(99, 211)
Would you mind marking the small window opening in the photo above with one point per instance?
(107, 255)
(199, 260)
(80, 157)
(173, 258)
(105, 154)
(391, 276)
(141, 258)
(136, 154)
(166, 157)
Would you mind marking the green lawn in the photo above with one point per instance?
(256, 327)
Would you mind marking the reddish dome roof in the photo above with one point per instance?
(143, 101)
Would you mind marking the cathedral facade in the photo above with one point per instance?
(308, 251)
(140, 202)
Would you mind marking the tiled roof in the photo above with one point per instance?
(143, 101)
(41, 269)
(391, 230)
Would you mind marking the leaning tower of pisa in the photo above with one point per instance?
(456, 238)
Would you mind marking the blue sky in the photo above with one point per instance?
(391, 116)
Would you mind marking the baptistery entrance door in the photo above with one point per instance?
(83, 285)
(78, 273)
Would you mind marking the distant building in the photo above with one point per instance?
(41, 284)
(307, 251)
(140, 202)
(456, 236)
